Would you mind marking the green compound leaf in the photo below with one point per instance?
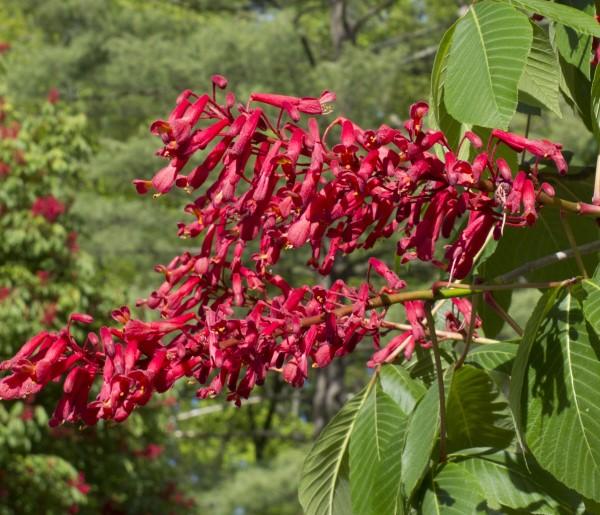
(324, 485)
(562, 416)
(421, 437)
(492, 41)
(380, 425)
(509, 482)
(574, 18)
(498, 357)
(452, 128)
(453, 491)
(477, 414)
(400, 386)
(521, 362)
(540, 80)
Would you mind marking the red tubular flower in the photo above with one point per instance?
(306, 105)
(540, 148)
(465, 309)
(393, 281)
(529, 196)
(382, 355)
(219, 81)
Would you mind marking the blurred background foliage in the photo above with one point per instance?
(117, 65)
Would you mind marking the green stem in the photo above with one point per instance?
(439, 372)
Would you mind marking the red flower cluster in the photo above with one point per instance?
(267, 185)
(49, 207)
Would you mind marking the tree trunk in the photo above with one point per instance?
(341, 31)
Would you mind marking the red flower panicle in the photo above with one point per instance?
(265, 185)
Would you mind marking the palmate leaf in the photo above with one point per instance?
(574, 18)
(491, 41)
(562, 416)
(575, 52)
(421, 437)
(508, 481)
(451, 127)
(574, 48)
(400, 386)
(477, 414)
(453, 491)
(380, 425)
(498, 357)
(576, 87)
(540, 79)
(324, 485)
(521, 361)
(387, 494)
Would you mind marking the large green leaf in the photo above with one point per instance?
(540, 78)
(562, 425)
(595, 105)
(387, 496)
(576, 88)
(510, 482)
(521, 362)
(488, 54)
(400, 386)
(421, 437)
(380, 423)
(453, 491)
(563, 14)
(498, 357)
(324, 485)
(575, 48)
(477, 414)
(451, 127)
